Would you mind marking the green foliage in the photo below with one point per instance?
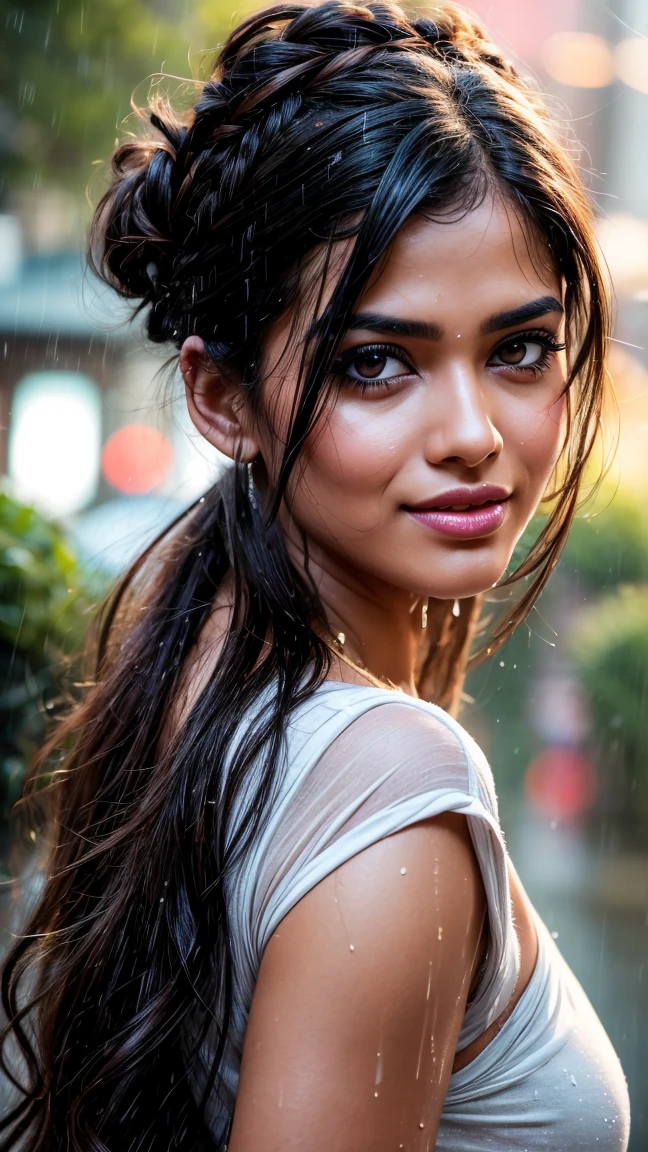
(45, 606)
(610, 649)
(607, 548)
(609, 545)
(68, 69)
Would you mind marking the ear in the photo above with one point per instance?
(216, 404)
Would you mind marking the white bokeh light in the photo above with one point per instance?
(55, 441)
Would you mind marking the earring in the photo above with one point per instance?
(251, 496)
(340, 639)
(424, 612)
(455, 608)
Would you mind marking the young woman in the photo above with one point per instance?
(280, 913)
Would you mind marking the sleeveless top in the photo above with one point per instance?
(358, 764)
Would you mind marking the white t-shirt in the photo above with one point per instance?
(360, 763)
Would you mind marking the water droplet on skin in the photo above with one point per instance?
(351, 947)
(403, 871)
(440, 933)
(421, 1125)
(375, 1093)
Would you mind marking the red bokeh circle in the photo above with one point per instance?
(136, 459)
(561, 782)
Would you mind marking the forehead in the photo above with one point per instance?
(463, 268)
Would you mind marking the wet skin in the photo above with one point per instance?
(451, 376)
(439, 388)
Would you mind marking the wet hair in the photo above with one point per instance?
(319, 123)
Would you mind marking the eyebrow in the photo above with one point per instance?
(531, 311)
(415, 329)
(426, 330)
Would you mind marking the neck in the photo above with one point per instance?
(381, 624)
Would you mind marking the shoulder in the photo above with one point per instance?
(372, 965)
(387, 731)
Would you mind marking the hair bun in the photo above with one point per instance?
(177, 189)
(136, 225)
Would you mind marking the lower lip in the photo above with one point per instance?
(474, 522)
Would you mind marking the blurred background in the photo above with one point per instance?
(96, 453)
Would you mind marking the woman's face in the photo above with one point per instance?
(436, 449)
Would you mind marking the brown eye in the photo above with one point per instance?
(370, 365)
(513, 353)
(374, 364)
(519, 354)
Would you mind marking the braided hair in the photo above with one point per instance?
(319, 123)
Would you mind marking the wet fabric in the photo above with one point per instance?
(359, 764)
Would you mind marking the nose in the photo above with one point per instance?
(461, 428)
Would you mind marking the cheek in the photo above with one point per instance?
(535, 434)
(350, 460)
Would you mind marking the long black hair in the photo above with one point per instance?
(318, 123)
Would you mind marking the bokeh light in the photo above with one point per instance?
(561, 782)
(54, 441)
(136, 459)
(631, 60)
(578, 59)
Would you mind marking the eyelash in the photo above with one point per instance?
(531, 336)
(387, 350)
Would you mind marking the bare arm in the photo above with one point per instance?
(360, 998)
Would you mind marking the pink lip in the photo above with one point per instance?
(484, 517)
(476, 522)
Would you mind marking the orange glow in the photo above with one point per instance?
(136, 459)
(579, 59)
(631, 59)
(561, 782)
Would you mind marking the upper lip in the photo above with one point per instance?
(479, 494)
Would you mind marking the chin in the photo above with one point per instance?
(458, 582)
